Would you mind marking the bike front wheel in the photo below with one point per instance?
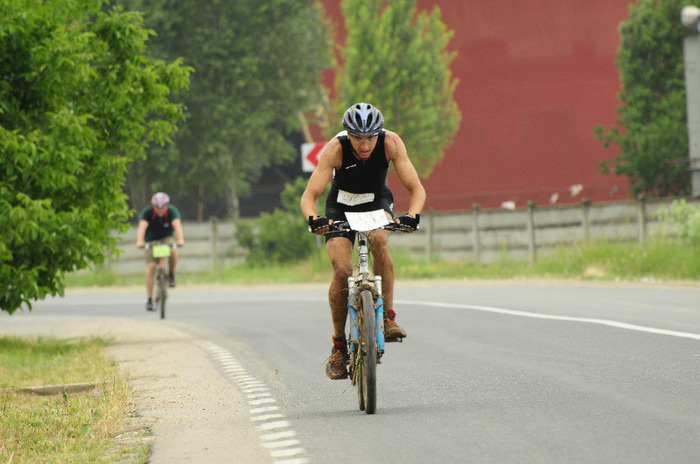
(367, 387)
(162, 293)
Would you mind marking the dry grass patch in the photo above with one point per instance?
(81, 427)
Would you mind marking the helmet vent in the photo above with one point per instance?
(363, 119)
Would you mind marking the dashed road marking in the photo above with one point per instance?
(275, 432)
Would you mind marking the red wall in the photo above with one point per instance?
(534, 78)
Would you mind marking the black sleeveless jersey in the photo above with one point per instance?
(366, 178)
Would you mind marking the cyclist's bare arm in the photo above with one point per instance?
(396, 153)
(179, 234)
(141, 234)
(331, 158)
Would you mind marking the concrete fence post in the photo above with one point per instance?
(214, 237)
(586, 210)
(641, 219)
(476, 233)
(531, 244)
(431, 233)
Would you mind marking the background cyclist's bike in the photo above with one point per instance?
(161, 252)
(366, 313)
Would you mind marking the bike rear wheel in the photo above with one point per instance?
(162, 293)
(367, 385)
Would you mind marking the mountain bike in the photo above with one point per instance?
(161, 252)
(366, 312)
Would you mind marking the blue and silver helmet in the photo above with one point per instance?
(363, 119)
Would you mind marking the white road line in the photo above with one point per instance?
(261, 401)
(512, 312)
(285, 453)
(248, 382)
(281, 424)
(264, 417)
(278, 435)
(232, 371)
(264, 409)
(281, 444)
(254, 389)
(275, 432)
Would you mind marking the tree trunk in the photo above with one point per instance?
(200, 205)
(138, 196)
(234, 205)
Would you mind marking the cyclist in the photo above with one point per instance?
(159, 223)
(355, 163)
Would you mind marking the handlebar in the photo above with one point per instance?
(344, 226)
(148, 246)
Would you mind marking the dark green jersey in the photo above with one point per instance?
(159, 227)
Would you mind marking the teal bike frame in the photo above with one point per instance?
(358, 283)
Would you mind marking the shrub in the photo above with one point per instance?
(281, 236)
(685, 219)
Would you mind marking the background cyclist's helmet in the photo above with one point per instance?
(160, 199)
(363, 119)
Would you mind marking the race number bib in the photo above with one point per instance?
(161, 251)
(354, 199)
(367, 220)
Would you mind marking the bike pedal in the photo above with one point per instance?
(393, 340)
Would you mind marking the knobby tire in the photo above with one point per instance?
(162, 293)
(368, 347)
(356, 361)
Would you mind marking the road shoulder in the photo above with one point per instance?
(181, 404)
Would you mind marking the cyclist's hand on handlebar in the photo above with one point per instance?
(408, 223)
(320, 225)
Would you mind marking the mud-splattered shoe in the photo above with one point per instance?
(336, 367)
(392, 332)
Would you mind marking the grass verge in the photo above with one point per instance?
(657, 260)
(68, 427)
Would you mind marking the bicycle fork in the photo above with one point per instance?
(354, 288)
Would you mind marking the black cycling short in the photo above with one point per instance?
(336, 211)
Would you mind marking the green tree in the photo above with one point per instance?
(651, 127)
(396, 59)
(684, 219)
(78, 101)
(257, 65)
(281, 236)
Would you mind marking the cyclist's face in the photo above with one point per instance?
(160, 210)
(363, 145)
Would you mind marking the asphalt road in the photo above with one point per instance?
(515, 372)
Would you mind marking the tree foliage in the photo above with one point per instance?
(397, 60)
(281, 236)
(257, 69)
(684, 218)
(651, 129)
(78, 100)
